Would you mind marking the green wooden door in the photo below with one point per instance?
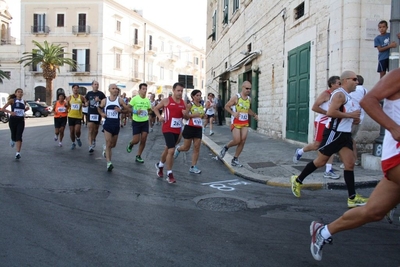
(298, 93)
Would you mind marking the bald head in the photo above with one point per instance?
(246, 87)
(349, 80)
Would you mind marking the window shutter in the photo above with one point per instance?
(87, 60)
(74, 57)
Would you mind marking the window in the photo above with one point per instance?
(213, 34)
(136, 68)
(202, 64)
(61, 56)
(36, 67)
(196, 61)
(150, 42)
(136, 37)
(162, 46)
(81, 22)
(39, 22)
(118, 26)
(118, 59)
(8, 74)
(150, 71)
(60, 20)
(171, 75)
(202, 84)
(299, 11)
(162, 73)
(82, 58)
(235, 5)
(226, 8)
(195, 82)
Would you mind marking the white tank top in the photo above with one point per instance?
(390, 146)
(322, 117)
(342, 124)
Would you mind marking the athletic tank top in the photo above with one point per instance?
(173, 116)
(342, 124)
(18, 107)
(242, 106)
(112, 115)
(60, 110)
(210, 110)
(390, 146)
(75, 109)
(322, 117)
(196, 122)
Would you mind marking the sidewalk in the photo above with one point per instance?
(270, 161)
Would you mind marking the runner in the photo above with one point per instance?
(239, 107)
(124, 116)
(174, 110)
(60, 118)
(93, 119)
(386, 194)
(152, 115)
(16, 122)
(140, 121)
(320, 106)
(210, 112)
(110, 108)
(75, 103)
(192, 132)
(337, 138)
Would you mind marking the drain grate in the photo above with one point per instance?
(257, 165)
(222, 204)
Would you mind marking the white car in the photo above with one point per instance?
(29, 112)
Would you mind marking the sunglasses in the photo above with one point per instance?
(248, 88)
(354, 79)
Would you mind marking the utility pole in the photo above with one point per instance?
(393, 63)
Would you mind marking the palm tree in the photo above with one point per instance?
(3, 75)
(50, 57)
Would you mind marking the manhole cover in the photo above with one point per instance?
(222, 204)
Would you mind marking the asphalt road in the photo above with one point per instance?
(62, 208)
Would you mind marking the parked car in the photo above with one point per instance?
(39, 109)
(29, 112)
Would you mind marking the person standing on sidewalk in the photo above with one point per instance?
(93, 98)
(60, 118)
(220, 110)
(192, 131)
(16, 122)
(210, 112)
(174, 110)
(337, 138)
(320, 106)
(140, 121)
(239, 107)
(386, 194)
(75, 103)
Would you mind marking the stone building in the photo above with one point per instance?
(288, 50)
(110, 43)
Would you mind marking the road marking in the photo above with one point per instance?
(222, 185)
(226, 181)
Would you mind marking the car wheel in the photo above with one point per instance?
(38, 114)
(45, 115)
(4, 119)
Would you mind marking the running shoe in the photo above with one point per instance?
(109, 166)
(55, 138)
(78, 140)
(331, 175)
(317, 241)
(129, 148)
(73, 146)
(91, 149)
(211, 133)
(194, 169)
(296, 186)
(104, 151)
(204, 130)
(151, 130)
(357, 201)
(12, 143)
(170, 178)
(17, 156)
(389, 216)
(94, 143)
(296, 156)
(159, 171)
(222, 152)
(60, 144)
(139, 159)
(341, 166)
(176, 153)
(357, 163)
(235, 163)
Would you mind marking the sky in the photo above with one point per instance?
(180, 17)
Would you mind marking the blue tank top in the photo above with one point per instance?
(18, 107)
(112, 115)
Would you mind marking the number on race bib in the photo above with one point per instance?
(176, 123)
(112, 114)
(61, 109)
(197, 122)
(243, 116)
(94, 117)
(75, 106)
(19, 112)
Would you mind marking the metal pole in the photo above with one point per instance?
(393, 63)
(144, 53)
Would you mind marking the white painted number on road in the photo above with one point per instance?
(225, 185)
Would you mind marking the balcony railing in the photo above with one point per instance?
(137, 76)
(40, 29)
(151, 79)
(173, 57)
(81, 29)
(137, 44)
(81, 68)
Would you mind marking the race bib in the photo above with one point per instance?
(143, 113)
(62, 109)
(112, 114)
(19, 112)
(94, 117)
(176, 123)
(85, 109)
(197, 122)
(243, 116)
(75, 106)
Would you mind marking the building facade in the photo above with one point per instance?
(288, 50)
(110, 43)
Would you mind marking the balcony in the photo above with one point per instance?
(137, 44)
(40, 29)
(81, 68)
(137, 76)
(152, 51)
(151, 79)
(173, 57)
(81, 29)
